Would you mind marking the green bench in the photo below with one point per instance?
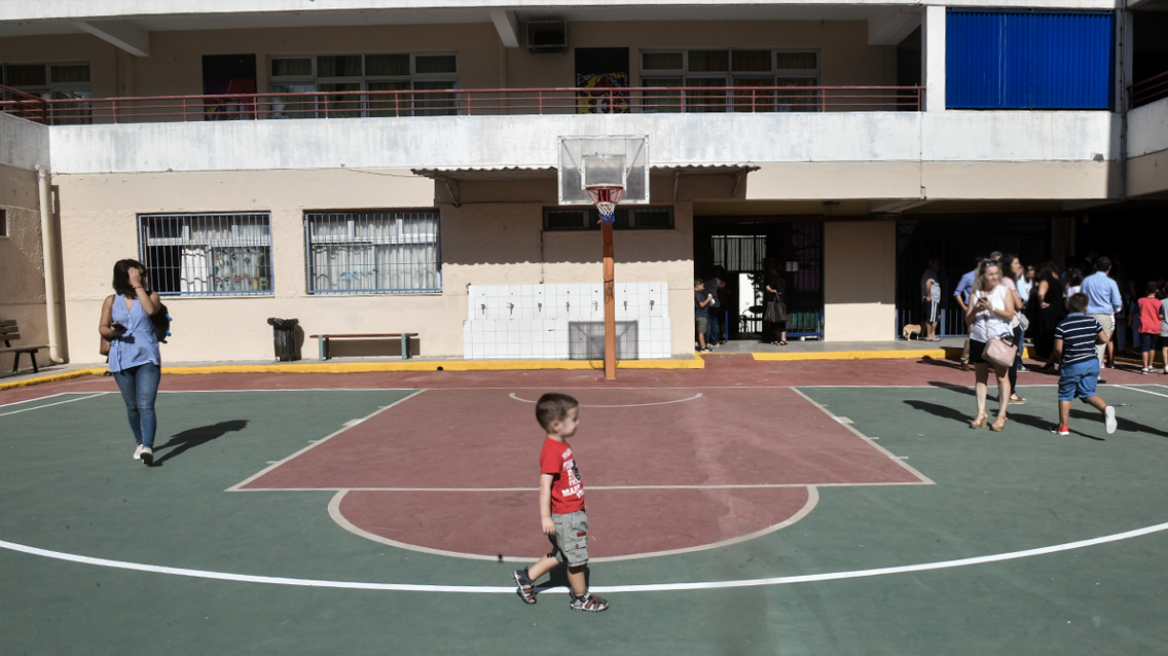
(8, 332)
(322, 341)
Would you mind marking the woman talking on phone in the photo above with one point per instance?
(992, 307)
(134, 359)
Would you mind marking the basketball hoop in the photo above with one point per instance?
(606, 198)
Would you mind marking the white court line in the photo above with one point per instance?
(316, 443)
(39, 398)
(483, 490)
(47, 405)
(626, 405)
(1134, 389)
(652, 587)
(872, 443)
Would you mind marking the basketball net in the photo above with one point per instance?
(606, 197)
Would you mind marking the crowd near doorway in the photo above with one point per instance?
(957, 242)
(745, 249)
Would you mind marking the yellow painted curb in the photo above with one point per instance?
(365, 367)
(432, 365)
(854, 355)
(51, 378)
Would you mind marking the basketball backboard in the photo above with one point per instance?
(589, 161)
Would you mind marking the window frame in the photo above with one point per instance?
(365, 105)
(79, 115)
(626, 218)
(145, 242)
(729, 77)
(310, 284)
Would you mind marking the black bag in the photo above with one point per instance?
(160, 321)
(776, 312)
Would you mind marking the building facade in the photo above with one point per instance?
(384, 166)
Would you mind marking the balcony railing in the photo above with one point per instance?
(1148, 91)
(459, 102)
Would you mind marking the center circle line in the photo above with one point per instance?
(625, 405)
(652, 587)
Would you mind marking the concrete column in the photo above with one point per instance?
(859, 281)
(933, 58)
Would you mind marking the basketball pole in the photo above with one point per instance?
(609, 304)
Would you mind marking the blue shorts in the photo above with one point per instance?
(1148, 342)
(1077, 381)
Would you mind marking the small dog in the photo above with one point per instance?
(911, 331)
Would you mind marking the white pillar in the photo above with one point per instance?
(933, 58)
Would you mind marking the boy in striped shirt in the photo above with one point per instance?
(1075, 339)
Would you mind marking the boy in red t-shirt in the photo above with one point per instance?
(1151, 312)
(561, 506)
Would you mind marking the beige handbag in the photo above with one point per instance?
(1001, 351)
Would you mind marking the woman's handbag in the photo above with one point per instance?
(1000, 350)
(105, 345)
(776, 312)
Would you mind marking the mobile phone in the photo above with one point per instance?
(117, 326)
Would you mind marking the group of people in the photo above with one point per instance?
(710, 306)
(1072, 317)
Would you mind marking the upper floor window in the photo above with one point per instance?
(57, 81)
(205, 254)
(730, 68)
(427, 73)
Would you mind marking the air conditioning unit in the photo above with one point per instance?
(545, 37)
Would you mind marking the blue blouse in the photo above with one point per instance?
(138, 345)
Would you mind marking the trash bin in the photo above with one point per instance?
(284, 338)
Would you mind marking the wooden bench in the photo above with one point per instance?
(9, 331)
(322, 341)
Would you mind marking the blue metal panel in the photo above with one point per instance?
(1024, 60)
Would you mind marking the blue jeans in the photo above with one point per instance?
(1077, 381)
(139, 386)
(713, 328)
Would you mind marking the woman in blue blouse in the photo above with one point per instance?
(134, 359)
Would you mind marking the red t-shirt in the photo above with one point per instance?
(1150, 315)
(567, 490)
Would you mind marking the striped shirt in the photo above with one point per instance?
(1078, 332)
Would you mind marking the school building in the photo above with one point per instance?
(375, 166)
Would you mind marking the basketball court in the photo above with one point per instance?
(748, 508)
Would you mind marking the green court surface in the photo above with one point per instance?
(68, 486)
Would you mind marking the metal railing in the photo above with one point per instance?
(1148, 91)
(459, 102)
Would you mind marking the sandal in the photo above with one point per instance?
(782, 342)
(525, 587)
(979, 421)
(1016, 400)
(998, 425)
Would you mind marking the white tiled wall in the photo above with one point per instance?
(515, 322)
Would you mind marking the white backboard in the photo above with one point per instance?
(585, 161)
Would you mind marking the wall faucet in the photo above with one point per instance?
(484, 307)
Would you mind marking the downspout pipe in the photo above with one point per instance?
(52, 267)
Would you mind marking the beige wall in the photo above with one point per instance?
(482, 243)
(22, 266)
(859, 281)
(1148, 174)
(174, 66)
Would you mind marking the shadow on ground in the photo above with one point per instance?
(189, 439)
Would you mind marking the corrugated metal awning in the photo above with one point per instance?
(502, 173)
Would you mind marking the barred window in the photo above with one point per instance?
(378, 251)
(626, 218)
(207, 254)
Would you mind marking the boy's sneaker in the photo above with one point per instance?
(1062, 429)
(525, 586)
(589, 603)
(1022, 369)
(147, 456)
(1109, 419)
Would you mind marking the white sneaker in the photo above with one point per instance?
(138, 453)
(147, 456)
(1109, 419)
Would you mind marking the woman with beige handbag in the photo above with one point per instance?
(992, 308)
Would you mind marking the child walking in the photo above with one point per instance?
(1075, 338)
(561, 506)
(1151, 315)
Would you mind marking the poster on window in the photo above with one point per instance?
(226, 76)
(602, 71)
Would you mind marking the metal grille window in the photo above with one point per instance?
(207, 254)
(383, 251)
(588, 218)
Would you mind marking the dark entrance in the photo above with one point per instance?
(746, 247)
(958, 242)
